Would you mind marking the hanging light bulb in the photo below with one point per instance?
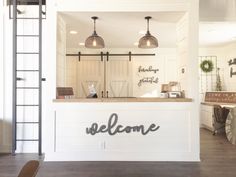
(94, 41)
(148, 41)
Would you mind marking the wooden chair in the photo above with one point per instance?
(220, 116)
(30, 169)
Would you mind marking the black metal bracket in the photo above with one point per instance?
(102, 56)
(232, 73)
(19, 79)
(107, 56)
(25, 3)
(19, 12)
(130, 56)
(79, 55)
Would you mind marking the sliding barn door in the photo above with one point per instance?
(118, 77)
(90, 71)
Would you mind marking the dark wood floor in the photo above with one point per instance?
(218, 159)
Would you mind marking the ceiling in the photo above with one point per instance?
(121, 30)
(218, 22)
(217, 10)
(216, 33)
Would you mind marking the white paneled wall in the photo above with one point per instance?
(49, 57)
(1, 75)
(71, 73)
(182, 51)
(122, 76)
(224, 54)
(6, 82)
(217, 10)
(227, 53)
(61, 51)
(165, 63)
(30, 79)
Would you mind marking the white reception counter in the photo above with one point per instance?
(160, 130)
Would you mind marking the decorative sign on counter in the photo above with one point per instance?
(113, 128)
(223, 97)
(148, 79)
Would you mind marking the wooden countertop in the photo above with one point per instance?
(94, 100)
(217, 103)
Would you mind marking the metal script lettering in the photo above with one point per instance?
(113, 127)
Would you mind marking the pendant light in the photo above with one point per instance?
(148, 41)
(94, 41)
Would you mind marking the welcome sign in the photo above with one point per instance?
(113, 128)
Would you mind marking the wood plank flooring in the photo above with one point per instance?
(218, 159)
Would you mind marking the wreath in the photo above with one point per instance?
(206, 66)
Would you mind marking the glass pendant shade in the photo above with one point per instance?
(148, 41)
(94, 41)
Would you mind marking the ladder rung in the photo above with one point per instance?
(28, 18)
(27, 87)
(22, 53)
(27, 35)
(27, 105)
(27, 122)
(27, 140)
(28, 70)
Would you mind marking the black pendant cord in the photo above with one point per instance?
(94, 24)
(148, 18)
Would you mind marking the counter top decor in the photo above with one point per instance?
(220, 97)
(123, 99)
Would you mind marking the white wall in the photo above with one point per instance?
(1, 73)
(183, 51)
(29, 62)
(123, 5)
(61, 51)
(49, 57)
(224, 54)
(6, 80)
(227, 53)
(217, 10)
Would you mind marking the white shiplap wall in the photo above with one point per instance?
(61, 50)
(49, 56)
(224, 54)
(122, 75)
(182, 51)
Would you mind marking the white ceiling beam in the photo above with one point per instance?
(122, 5)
